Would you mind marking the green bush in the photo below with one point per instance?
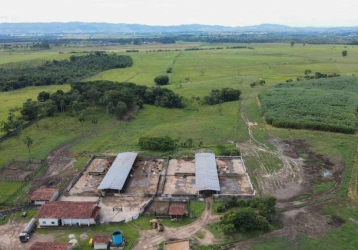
(161, 80)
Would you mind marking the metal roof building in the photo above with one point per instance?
(118, 172)
(206, 173)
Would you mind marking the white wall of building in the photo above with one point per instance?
(78, 222)
(100, 246)
(48, 222)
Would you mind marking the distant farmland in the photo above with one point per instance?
(322, 104)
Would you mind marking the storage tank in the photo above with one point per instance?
(117, 237)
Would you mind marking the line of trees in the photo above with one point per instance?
(117, 98)
(60, 72)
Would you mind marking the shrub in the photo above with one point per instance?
(161, 80)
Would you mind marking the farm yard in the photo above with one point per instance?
(313, 173)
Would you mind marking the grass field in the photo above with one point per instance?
(195, 73)
(8, 188)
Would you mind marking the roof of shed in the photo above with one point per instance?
(43, 194)
(177, 209)
(69, 210)
(118, 172)
(101, 238)
(206, 173)
(50, 245)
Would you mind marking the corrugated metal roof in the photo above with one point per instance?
(206, 173)
(118, 172)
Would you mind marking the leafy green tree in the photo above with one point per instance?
(228, 228)
(121, 109)
(292, 43)
(161, 80)
(308, 71)
(30, 110)
(43, 96)
(28, 141)
(344, 53)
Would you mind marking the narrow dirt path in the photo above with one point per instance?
(149, 239)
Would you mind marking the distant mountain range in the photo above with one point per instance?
(105, 28)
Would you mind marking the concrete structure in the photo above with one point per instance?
(61, 213)
(118, 172)
(206, 173)
(101, 241)
(51, 245)
(42, 195)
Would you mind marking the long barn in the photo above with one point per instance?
(118, 172)
(206, 174)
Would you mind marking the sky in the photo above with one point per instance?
(299, 13)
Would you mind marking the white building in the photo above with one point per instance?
(42, 195)
(68, 213)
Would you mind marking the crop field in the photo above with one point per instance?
(324, 104)
(273, 155)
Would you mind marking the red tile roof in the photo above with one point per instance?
(50, 245)
(101, 238)
(69, 210)
(43, 194)
(177, 209)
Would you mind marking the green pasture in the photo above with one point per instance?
(195, 73)
(8, 188)
(53, 132)
(62, 234)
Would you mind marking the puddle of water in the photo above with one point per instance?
(326, 173)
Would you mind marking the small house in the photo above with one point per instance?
(68, 213)
(40, 196)
(51, 245)
(101, 241)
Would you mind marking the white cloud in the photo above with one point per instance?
(175, 12)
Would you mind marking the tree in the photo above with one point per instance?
(292, 43)
(28, 142)
(308, 71)
(161, 80)
(81, 119)
(30, 110)
(43, 96)
(344, 53)
(121, 109)
(94, 122)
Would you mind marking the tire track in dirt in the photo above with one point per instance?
(149, 239)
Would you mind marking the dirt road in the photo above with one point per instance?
(149, 239)
(9, 236)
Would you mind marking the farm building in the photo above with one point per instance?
(177, 210)
(206, 174)
(40, 196)
(51, 245)
(101, 241)
(61, 213)
(118, 173)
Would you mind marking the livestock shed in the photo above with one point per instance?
(40, 196)
(51, 245)
(118, 172)
(206, 174)
(61, 213)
